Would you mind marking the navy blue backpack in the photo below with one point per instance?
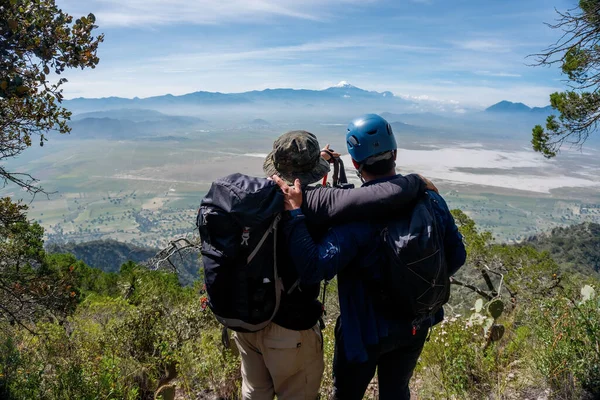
(416, 283)
(238, 221)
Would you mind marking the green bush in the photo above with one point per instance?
(207, 366)
(568, 344)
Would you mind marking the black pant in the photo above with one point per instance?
(395, 360)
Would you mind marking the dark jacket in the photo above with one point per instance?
(324, 207)
(352, 251)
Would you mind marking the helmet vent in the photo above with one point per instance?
(372, 132)
(353, 141)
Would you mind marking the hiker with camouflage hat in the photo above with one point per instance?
(296, 154)
(286, 357)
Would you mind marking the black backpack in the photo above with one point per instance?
(415, 278)
(238, 221)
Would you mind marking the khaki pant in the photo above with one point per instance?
(282, 362)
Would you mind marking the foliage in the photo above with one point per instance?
(476, 242)
(499, 353)
(132, 332)
(467, 358)
(109, 255)
(328, 352)
(578, 54)
(206, 364)
(568, 333)
(30, 288)
(37, 40)
(86, 280)
(575, 248)
(124, 345)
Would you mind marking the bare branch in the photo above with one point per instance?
(474, 288)
(178, 246)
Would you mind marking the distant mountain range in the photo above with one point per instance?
(137, 115)
(510, 107)
(260, 122)
(340, 101)
(271, 109)
(129, 123)
(342, 95)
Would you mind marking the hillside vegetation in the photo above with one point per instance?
(575, 247)
(109, 255)
(532, 330)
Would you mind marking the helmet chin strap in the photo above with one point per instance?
(359, 173)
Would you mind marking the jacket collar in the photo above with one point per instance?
(376, 181)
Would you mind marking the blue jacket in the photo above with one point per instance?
(352, 252)
(326, 207)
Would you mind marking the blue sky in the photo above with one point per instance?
(471, 52)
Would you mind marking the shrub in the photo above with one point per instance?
(568, 344)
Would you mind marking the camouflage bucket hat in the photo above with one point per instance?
(296, 154)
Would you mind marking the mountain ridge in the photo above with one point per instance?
(506, 106)
(342, 99)
(108, 255)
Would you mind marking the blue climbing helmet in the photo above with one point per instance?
(368, 136)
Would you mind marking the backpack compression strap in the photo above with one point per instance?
(435, 231)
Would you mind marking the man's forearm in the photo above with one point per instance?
(329, 206)
(314, 262)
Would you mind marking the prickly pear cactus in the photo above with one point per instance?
(486, 315)
(495, 308)
(587, 293)
(478, 305)
(497, 332)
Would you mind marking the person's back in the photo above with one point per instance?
(368, 334)
(374, 332)
(286, 357)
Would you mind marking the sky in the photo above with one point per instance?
(471, 52)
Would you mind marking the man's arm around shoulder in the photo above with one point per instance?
(330, 206)
(316, 261)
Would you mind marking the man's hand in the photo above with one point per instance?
(326, 153)
(292, 196)
(430, 185)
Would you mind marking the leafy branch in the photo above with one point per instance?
(577, 52)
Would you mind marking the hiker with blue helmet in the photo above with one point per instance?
(393, 273)
(252, 283)
(369, 140)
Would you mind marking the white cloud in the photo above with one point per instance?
(279, 52)
(199, 12)
(183, 74)
(498, 74)
(473, 95)
(328, 49)
(168, 56)
(485, 45)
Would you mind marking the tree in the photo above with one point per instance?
(37, 43)
(578, 54)
(29, 286)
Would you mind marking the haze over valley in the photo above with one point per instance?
(135, 170)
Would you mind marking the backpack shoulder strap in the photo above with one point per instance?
(278, 282)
